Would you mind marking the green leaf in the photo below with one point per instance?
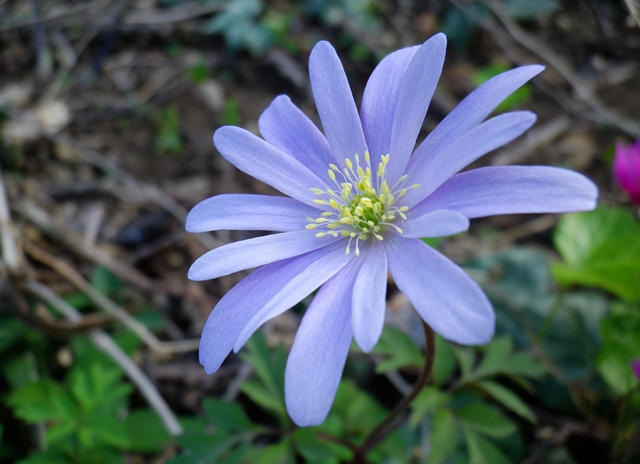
(202, 446)
(428, 401)
(399, 349)
(444, 363)
(231, 112)
(275, 454)
(508, 399)
(524, 364)
(46, 457)
(600, 248)
(466, 358)
(311, 447)
(481, 450)
(95, 385)
(145, 431)
(620, 344)
(485, 419)
(106, 429)
(11, 330)
(354, 412)
(259, 393)
(444, 437)
(268, 389)
(566, 326)
(60, 431)
(227, 415)
(106, 282)
(496, 354)
(41, 401)
(21, 370)
(169, 136)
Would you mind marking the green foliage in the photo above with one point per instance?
(600, 248)
(399, 349)
(203, 441)
(620, 344)
(145, 431)
(239, 23)
(82, 415)
(267, 389)
(168, 134)
(461, 24)
(198, 73)
(231, 112)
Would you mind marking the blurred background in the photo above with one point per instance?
(107, 109)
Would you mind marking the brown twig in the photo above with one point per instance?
(563, 67)
(10, 252)
(634, 9)
(107, 305)
(11, 24)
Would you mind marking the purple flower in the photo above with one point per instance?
(635, 367)
(360, 202)
(626, 169)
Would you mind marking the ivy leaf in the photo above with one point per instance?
(600, 248)
(444, 363)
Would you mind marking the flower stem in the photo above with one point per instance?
(393, 420)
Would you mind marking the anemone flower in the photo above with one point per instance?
(635, 367)
(359, 200)
(626, 169)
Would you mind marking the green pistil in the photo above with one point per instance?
(362, 206)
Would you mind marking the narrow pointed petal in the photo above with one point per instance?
(266, 163)
(332, 260)
(335, 103)
(319, 352)
(431, 172)
(380, 100)
(285, 127)
(369, 290)
(268, 286)
(249, 212)
(513, 190)
(254, 252)
(442, 293)
(474, 109)
(418, 85)
(439, 223)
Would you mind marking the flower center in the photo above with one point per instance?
(362, 205)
